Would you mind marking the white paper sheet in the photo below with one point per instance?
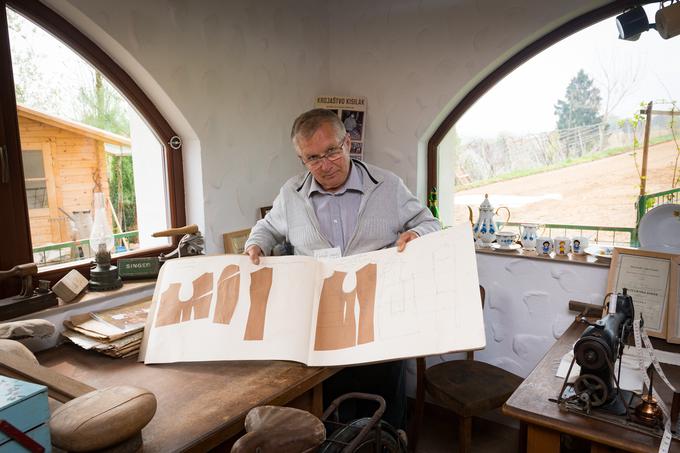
(364, 308)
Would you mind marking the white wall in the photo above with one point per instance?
(231, 75)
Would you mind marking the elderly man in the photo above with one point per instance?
(342, 207)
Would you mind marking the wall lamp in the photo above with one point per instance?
(634, 22)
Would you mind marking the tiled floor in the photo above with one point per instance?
(440, 434)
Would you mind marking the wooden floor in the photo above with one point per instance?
(440, 434)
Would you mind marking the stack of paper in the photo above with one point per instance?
(116, 332)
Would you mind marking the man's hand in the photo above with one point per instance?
(404, 238)
(254, 252)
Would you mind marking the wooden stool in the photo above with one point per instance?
(274, 429)
(466, 387)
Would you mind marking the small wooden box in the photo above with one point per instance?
(24, 405)
(70, 286)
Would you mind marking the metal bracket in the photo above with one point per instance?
(175, 142)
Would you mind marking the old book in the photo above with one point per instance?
(115, 347)
(364, 308)
(128, 318)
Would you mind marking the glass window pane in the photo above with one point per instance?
(80, 137)
(33, 164)
(560, 139)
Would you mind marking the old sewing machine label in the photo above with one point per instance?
(138, 267)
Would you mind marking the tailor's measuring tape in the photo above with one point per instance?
(640, 339)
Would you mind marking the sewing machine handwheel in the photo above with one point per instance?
(594, 386)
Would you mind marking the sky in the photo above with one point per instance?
(524, 101)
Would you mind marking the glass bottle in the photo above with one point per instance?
(433, 204)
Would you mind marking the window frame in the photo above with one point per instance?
(15, 224)
(567, 29)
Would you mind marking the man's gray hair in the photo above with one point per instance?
(307, 124)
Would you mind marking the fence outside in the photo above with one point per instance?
(617, 236)
(70, 251)
(483, 159)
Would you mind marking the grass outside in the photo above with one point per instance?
(566, 163)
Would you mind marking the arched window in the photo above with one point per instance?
(557, 132)
(73, 124)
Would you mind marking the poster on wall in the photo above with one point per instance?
(352, 113)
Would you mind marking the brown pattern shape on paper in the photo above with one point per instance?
(366, 277)
(260, 284)
(335, 323)
(173, 310)
(227, 294)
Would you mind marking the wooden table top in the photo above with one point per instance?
(200, 404)
(530, 403)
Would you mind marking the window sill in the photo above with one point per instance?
(570, 259)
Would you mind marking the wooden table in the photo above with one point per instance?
(200, 405)
(545, 421)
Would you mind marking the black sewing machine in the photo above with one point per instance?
(596, 352)
(31, 298)
(596, 391)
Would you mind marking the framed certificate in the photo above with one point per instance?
(674, 302)
(646, 276)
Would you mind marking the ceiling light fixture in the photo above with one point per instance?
(632, 23)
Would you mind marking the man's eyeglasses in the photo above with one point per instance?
(332, 155)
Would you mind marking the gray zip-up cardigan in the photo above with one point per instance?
(387, 209)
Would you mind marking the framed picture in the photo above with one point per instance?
(646, 276)
(674, 303)
(264, 211)
(234, 241)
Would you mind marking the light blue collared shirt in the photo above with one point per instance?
(338, 211)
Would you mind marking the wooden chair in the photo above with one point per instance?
(466, 387)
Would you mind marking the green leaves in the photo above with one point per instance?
(581, 105)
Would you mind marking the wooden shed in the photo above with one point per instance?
(64, 163)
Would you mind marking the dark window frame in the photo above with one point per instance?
(14, 223)
(573, 26)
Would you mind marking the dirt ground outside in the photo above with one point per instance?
(598, 193)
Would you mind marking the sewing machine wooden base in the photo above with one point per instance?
(14, 306)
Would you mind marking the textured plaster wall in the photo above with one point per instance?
(231, 76)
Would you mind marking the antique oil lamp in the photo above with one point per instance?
(103, 276)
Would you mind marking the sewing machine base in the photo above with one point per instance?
(12, 307)
(614, 412)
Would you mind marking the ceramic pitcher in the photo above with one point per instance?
(485, 229)
(528, 235)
